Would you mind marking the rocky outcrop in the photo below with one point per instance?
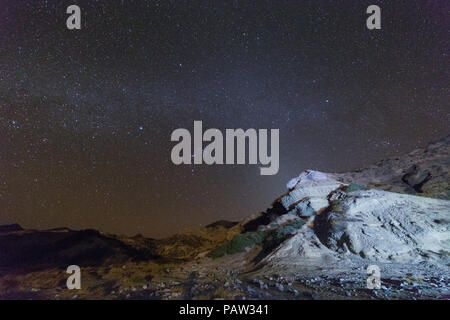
(394, 211)
(26, 250)
(368, 225)
(424, 171)
(10, 228)
(309, 185)
(416, 177)
(385, 226)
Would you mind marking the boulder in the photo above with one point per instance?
(309, 184)
(385, 226)
(415, 177)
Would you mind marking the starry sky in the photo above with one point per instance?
(86, 115)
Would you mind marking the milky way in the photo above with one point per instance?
(86, 115)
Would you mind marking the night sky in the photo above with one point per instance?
(86, 115)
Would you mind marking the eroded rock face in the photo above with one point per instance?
(424, 171)
(375, 225)
(384, 226)
(306, 197)
(306, 177)
(416, 177)
(349, 217)
(369, 215)
(308, 207)
(311, 185)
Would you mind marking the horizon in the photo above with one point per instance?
(192, 228)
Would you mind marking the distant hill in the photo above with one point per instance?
(222, 223)
(10, 228)
(23, 250)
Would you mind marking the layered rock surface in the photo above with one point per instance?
(424, 171)
(392, 212)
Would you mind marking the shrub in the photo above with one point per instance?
(268, 239)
